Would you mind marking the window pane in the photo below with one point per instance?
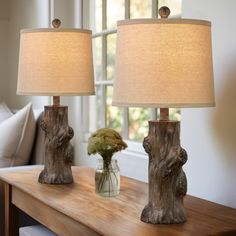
(111, 48)
(138, 123)
(174, 5)
(115, 12)
(140, 8)
(96, 15)
(113, 114)
(174, 114)
(97, 55)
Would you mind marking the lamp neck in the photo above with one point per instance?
(56, 101)
(164, 113)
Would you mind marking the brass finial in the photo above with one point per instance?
(56, 23)
(164, 12)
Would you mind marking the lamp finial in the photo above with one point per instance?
(164, 12)
(56, 23)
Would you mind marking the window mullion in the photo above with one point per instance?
(104, 63)
(104, 82)
(104, 77)
(104, 32)
(51, 5)
(127, 9)
(125, 129)
(104, 14)
(103, 105)
(154, 8)
(153, 113)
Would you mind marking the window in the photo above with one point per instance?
(132, 123)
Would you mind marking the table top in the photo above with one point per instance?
(120, 215)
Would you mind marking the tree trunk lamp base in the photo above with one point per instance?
(167, 180)
(58, 150)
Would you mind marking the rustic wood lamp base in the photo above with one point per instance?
(167, 180)
(58, 150)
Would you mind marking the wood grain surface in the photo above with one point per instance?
(114, 216)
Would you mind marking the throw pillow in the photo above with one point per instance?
(17, 136)
(38, 153)
(4, 112)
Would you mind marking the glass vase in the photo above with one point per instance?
(107, 178)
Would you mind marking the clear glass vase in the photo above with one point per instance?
(107, 178)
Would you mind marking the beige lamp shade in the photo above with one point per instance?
(164, 63)
(55, 62)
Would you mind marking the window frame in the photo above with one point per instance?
(88, 104)
(104, 82)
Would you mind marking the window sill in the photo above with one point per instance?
(135, 148)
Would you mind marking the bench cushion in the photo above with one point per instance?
(36, 230)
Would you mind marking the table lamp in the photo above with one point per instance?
(164, 63)
(55, 62)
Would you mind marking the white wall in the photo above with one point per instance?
(209, 134)
(14, 16)
(4, 35)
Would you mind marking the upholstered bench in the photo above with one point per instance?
(22, 144)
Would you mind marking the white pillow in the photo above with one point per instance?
(17, 136)
(5, 112)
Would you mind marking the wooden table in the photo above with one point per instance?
(74, 210)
